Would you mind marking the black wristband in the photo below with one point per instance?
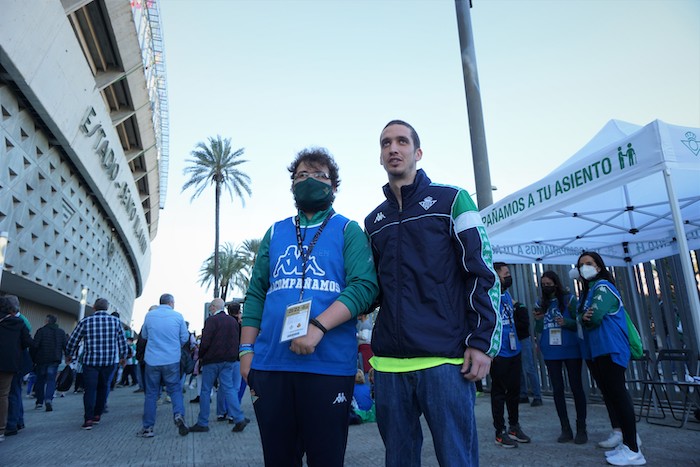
(315, 322)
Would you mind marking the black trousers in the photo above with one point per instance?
(555, 368)
(505, 391)
(302, 413)
(611, 380)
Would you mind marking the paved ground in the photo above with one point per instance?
(55, 438)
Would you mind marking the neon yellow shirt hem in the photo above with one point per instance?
(403, 365)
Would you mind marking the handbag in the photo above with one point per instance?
(64, 380)
(634, 339)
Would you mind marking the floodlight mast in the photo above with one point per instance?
(480, 158)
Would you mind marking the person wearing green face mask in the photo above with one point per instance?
(313, 275)
(555, 322)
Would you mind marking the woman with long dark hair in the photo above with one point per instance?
(602, 317)
(555, 315)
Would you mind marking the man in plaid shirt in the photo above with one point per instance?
(103, 340)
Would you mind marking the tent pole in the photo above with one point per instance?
(683, 249)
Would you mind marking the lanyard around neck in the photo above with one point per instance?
(305, 255)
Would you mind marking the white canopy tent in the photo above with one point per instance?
(632, 194)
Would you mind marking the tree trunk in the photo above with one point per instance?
(216, 241)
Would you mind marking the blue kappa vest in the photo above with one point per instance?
(336, 354)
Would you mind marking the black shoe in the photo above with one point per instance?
(240, 426)
(246, 420)
(181, 427)
(198, 428)
(502, 439)
(11, 432)
(517, 434)
(223, 418)
(566, 434)
(49, 407)
(195, 400)
(536, 402)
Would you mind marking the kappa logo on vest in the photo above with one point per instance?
(428, 202)
(380, 217)
(289, 263)
(340, 398)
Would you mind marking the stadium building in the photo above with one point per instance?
(83, 152)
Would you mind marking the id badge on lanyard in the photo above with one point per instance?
(296, 320)
(513, 341)
(555, 336)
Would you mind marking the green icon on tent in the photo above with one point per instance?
(691, 143)
(629, 155)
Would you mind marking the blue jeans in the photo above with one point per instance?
(45, 381)
(15, 407)
(96, 380)
(528, 374)
(229, 375)
(446, 399)
(168, 375)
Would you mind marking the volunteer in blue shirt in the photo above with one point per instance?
(313, 275)
(604, 325)
(505, 371)
(555, 322)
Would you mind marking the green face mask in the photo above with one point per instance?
(312, 195)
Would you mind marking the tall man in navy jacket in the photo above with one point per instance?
(438, 326)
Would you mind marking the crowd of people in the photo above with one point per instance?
(442, 320)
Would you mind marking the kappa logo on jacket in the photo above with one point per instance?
(380, 217)
(428, 202)
(340, 398)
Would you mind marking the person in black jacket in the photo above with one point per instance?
(14, 338)
(218, 356)
(47, 353)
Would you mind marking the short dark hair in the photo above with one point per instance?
(166, 299)
(115, 314)
(51, 319)
(101, 304)
(414, 134)
(234, 308)
(9, 305)
(316, 157)
(499, 265)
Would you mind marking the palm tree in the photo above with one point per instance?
(230, 266)
(247, 253)
(235, 267)
(217, 164)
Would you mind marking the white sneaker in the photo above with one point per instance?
(617, 448)
(612, 452)
(613, 440)
(625, 456)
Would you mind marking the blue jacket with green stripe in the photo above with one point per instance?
(439, 292)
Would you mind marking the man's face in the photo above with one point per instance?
(503, 273)
(398, 152)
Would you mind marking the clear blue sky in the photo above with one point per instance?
(280, 75)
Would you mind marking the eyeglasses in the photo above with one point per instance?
(301, 176)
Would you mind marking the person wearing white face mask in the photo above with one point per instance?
(603, 326)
